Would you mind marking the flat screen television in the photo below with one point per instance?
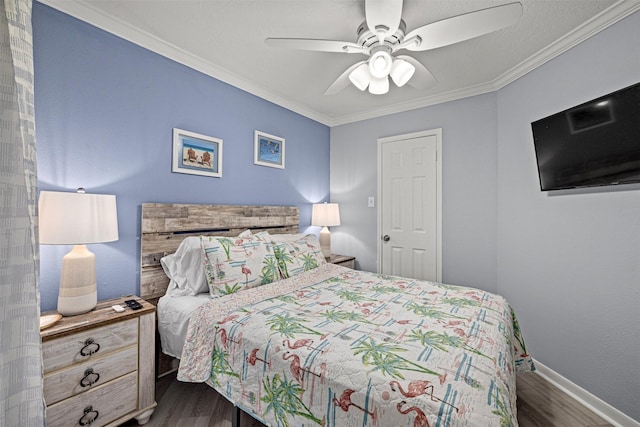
(593, 144)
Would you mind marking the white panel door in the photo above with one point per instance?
(409, 206)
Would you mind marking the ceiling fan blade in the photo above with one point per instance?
(422, 78)
(462, 27)
(315, 44)
(383, 16)
(342, 81)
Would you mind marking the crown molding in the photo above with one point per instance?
(87, 13)
(608, 17)
(415, 104)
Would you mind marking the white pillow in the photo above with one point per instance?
(185, 269)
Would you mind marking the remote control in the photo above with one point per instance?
(133, 304)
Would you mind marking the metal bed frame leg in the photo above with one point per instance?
(235, 416)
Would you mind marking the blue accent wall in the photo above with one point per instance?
(105, 111)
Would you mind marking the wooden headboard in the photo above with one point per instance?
(165, 225)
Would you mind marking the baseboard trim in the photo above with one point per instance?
(594, 403)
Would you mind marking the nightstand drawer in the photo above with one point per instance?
(88, 375)
(77, 348)
(104, 404)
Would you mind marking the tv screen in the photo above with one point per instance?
(593, 144)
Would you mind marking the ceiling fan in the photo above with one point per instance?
(383, 33)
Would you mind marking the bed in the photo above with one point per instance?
(332, 346)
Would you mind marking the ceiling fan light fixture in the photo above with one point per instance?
(379, 86)
(380, 64)
(360, 77)
(384, 32)
(401, 72)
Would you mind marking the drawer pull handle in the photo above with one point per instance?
(90, 415)
(90, 347)
(90, 378)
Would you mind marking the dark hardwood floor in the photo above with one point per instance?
(540, 404)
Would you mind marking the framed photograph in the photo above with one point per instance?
(196, 154)
(268, 150)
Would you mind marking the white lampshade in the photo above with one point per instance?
(325, 215)
(77, 219)
(379, 86)
(360, 77)
(401, 72)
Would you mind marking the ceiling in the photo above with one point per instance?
(225, 39)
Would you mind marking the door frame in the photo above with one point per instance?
(438, 134)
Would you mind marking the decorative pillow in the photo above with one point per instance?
(286, 238)
(185, 270)
(234, 264)
(245, 234)
(297, 256)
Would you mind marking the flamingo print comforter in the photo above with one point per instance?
(339, 347)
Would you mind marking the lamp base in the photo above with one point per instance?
(70, 306)
(325, 242)
(78, 292)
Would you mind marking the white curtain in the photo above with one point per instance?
(21, 399)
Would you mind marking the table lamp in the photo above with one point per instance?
(325, 215)
(77, 219)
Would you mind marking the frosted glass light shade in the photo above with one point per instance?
(379, 86)
(360, 77)
(401, 72)
(77, 219)
(380, 64)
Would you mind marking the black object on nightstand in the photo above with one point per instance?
(133, 304)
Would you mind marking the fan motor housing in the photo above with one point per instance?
(368, 39)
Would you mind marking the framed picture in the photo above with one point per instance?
(196, 154)
(268, 150)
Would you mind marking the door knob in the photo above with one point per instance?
(386, 238)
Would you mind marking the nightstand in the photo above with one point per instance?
(343, 260)
(99, 367)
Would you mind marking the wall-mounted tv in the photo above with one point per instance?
(593, 144)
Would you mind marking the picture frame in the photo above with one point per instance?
(268, 150)
(196, 154)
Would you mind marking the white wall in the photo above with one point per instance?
(568, 262)
(469, 161)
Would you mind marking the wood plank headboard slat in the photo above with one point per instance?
(165, 225)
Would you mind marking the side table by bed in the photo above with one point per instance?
(99, 367)
(343, 260)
